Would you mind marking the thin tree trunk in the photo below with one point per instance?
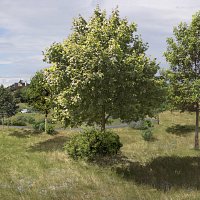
(3, 121)
(103, 123)
(196, 140)
(103, 119)
(158, 119)
(45, 122)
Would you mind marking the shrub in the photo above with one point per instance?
(19, 121)
(30, 120)
(21, 118)
(16, 122)
(7, 122)
(92, 143)
(147, 134)
(40, 127)
(141, 124)
(50, 129)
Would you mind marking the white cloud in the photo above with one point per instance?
(5, 62)
(27, 27)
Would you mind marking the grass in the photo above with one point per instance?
(35, 166)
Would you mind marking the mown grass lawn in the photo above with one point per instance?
(35, 166)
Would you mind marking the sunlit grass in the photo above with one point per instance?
(35, 166)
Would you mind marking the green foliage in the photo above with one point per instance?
(145, 126)
(30, 120)
(8, 105)
(142, 124)
(92, 143)
(40, 127)
(102, 70)
(184, 73)
(50, 129)
(38, 93)
(20, 94)
(147, 134)
(184, 58)
(14, 122)
(148, 124)
(22, 120)
(17, 122)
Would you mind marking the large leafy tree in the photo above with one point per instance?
(8, 105)
(102, 70)
(183, 54)
(39, 95)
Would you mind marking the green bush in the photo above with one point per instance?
(31, 120)
(7, 122)
(148, 124)
(141, 124)
(50, 129)
(21, 118)
(147, 134)
(92, 143)
(40, 127)
(16, 122)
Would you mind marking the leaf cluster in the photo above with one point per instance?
(183, 54)
(38, 93)
(8, 104)
(92, 142)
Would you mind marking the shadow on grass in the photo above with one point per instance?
(53, 144)
(109, 161)
(180, 129)
(163, 173)
(152, 139)
(24, 133)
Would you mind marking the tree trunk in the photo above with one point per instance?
(196, 141)
(45, 122)
(103, 120)
(3, 121)
(158, 119)
(103, 123)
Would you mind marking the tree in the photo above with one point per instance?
(183, 54)
(8, 105)
(164, 104)
(20, 94)
(39, 95)
(101, 70)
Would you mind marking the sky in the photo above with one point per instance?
(27, 27)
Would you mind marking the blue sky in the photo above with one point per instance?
(27, 27)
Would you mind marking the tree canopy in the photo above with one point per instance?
(7, 102)
(101, 70)
(39, 95)
(183, 54)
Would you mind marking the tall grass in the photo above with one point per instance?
(35, 166)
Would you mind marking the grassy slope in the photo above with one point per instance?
(36, 167)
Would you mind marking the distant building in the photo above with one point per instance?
(18, 85)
